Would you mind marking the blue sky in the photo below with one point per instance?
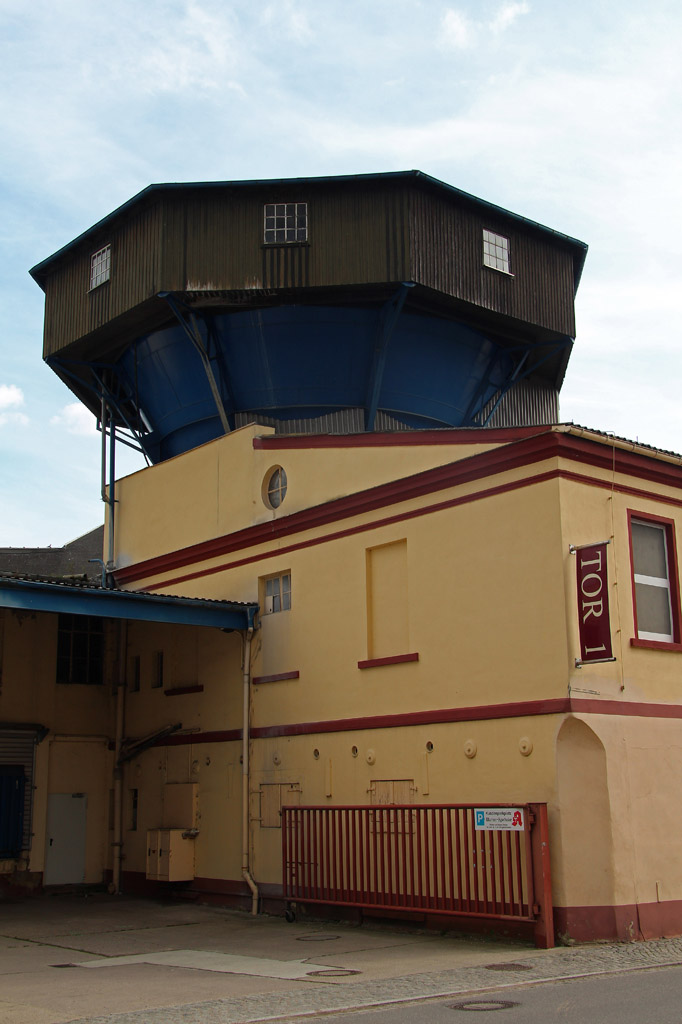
(566, 113)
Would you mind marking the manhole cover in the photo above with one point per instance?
(332, 972)
(484, 1004)
(318, 937)
(507, 967)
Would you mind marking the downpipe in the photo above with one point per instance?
(246, 780)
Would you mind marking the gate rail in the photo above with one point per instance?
(421, 858)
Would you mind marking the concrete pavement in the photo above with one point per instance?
(119, 960)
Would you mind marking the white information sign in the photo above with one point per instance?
(499, 819)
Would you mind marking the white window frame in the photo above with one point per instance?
(285, 223)
(654, 581)
(496, 253)
(100, 266)
(277, 593)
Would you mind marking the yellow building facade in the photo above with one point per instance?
(366, 575)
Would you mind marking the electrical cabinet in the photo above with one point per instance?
(170, 856)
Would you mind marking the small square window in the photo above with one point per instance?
(496, 251)
(277, 593)
(100, 266)
(285, 222)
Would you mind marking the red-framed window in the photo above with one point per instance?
(655, 581)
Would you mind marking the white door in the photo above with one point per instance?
(65, 853)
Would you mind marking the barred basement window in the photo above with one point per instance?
(496, 251)
(80, 649)
(285, 222)
(100, 266)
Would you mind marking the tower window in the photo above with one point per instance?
(100, 266)
(285, 222)
(496, 251)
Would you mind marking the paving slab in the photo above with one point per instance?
(142, 962)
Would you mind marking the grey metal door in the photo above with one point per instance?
(66, 827)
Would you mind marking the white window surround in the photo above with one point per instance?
(100, 266)
(275, 488)
(277, 593)
(652, 588)
(284, 223)
(496, 252)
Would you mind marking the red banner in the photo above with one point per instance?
(593, 603)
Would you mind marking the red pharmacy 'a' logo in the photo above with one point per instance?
(517, 820)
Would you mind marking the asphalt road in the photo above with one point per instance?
(653, 996)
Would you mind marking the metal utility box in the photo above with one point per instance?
(170, 856)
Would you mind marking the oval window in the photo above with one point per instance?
(276, 489)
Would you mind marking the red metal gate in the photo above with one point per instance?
(425, 859)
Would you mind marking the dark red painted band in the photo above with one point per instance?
(537, 448)
(395, 659)
(178, 690)
(483, 713)
(397, 439)
(362, 528)
(276, 678)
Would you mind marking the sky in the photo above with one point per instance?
(569, 114)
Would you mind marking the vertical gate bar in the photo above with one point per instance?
(346, 856)
(317, 855)
(384, 841)
(335, 851)
(469, 858)
(442, 887)
(519, 871)
(401, 874)
(376, 819)
(395, 867)
(477, 865)
(325, 847)
(498, 882)
(485, 845)
(529, 864)
(510, 874)
(428, 855)
(500, 870)
(411, 850)
(285, 859)
(354, 856)
(451, 873)
(368, 858)
(311, 867)
(301, 851)
(419, 888)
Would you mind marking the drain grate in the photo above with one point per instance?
(317, 937)
(484, 1004)
(508, 967)
(332, 972)
(63, 965)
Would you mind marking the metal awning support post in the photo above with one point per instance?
(246, 775)
(191, 328)
(388, 320)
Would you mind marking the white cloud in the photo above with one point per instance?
(10, 396)
(463, 33)
(507, 15)
(76, 419)
(287, 17)
(458, 30)
(17, 419)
